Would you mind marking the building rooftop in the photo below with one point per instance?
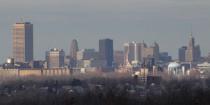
(173, 65)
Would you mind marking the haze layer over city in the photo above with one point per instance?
(57, 22)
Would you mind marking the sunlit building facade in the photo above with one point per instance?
(55, 58)
(23, 42)
(106, 51)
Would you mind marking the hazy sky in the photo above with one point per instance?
(57, 22)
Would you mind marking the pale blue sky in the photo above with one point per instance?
(57, 22)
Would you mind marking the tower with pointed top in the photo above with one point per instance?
(190, 49)
(73, 53)
(193, 52)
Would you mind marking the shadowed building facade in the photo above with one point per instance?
(106, 51)
(23, 42)
(182, 52)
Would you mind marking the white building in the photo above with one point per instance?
(204, 66)
(204, 69)
(175, 69)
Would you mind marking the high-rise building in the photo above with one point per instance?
(129, 49)
(182, 52)
(23, 42)
(106, 51)
(190, 50)
(197, 53)
(150, 52)
(55, 58)
(136, 53)
(193, 53)
(133, 52)
(73, 53)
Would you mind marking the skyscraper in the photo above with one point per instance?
(73, 53)
(55, 58)
(190, 50)
(182, 52)
(190, 53)
(133, 52)
(23, 42)
(129, 49)
(106, 51)
(151, 52)
(197, 53)
(193, 53)
(136, 53)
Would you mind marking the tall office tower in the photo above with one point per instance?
(55, 58)
(133, 53)
(182, 52)
(129, 49)
(143, 51)
(106, 51)
(193, 52)
(23, 42)
(73, 53)
(140, 49)
(190, 50)
(197, 53)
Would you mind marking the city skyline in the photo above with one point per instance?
(105, 52)
(110, 19)
(191, 35)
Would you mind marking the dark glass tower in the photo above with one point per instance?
(182, 52)
(106, 51)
